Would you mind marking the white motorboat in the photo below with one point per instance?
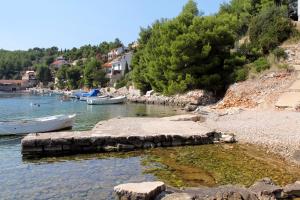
(106, 100)
(97, 97)
(37, 125)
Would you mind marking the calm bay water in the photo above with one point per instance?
(93, 176)
(76, 177)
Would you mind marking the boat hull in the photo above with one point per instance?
(39, 125)
(105, 101)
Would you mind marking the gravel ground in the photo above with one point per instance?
(278, 131)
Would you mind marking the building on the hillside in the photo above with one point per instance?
(13, 85)
(116, 52)
(133, 45)
(30, 76)
(116, 69)
(79, 61)
(59, 62)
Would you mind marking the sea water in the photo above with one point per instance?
(76, 177)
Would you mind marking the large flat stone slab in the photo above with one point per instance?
(139, 191)
(288, 100)
(295, 85)
(296, 67)
(148, 127)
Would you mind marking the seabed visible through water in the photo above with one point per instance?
(93, 176)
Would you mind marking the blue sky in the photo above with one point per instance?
(73, 23)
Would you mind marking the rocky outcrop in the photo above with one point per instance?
(264, 189)
(189, 100)
(139, 191)
(292, 190)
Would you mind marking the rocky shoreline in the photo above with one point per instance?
(264, 189)
(190, 100)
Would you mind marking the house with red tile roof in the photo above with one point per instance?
(59, 62)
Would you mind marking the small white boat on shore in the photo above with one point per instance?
(106, 100)
(37, 125)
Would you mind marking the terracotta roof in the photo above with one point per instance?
(59, 62)
(107, 65)
(12, 81)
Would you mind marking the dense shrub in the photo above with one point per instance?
(261, 64)
(186, 52)
(125, 81)
(251, 52)
(241, 74)
(206, 52)
(279, 53)
(270, 28)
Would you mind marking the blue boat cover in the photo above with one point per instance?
(92, 93)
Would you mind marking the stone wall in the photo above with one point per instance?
(34, 146)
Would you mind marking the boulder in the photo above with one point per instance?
(292, 190)
(228, 192)
(149, 93)
(265, 189)
(228, 138)
(190, 107)
(139, 191)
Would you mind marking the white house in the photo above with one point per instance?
(119, 64)
(115, 52)
(117, 67)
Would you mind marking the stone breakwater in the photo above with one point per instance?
(83, 142)
(124, 134)
(261, 190)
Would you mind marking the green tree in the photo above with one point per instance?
(61, 76)
(184, 53)
(93, 74)
(270, 28)
(100, 78)
(43, 74)
(126, 71)
(73, 76)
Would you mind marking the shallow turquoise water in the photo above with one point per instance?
(76, 177)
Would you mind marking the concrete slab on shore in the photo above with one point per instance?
(148, 127)
(124, 134)
(288, 100)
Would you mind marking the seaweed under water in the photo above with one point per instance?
(205, 165)
(213, 165)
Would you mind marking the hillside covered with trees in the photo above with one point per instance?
(190, 51)
(88, 73)
(210, 52)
